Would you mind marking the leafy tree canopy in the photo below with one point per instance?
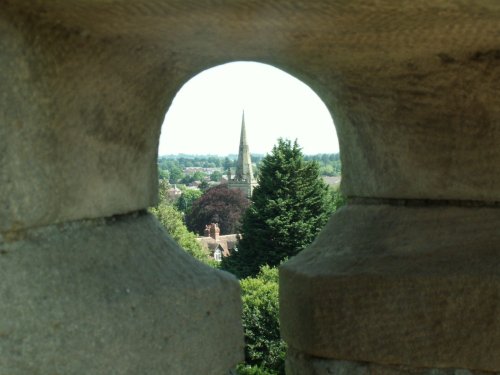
(204, 186)
(185, 201)
(264, 349)
(290, 206)
(172, 220)
(216, 176)
(218, 204)
(338, 200)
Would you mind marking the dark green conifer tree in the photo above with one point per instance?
(289, 207)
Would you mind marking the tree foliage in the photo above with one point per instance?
(193, 176)
(174, 167)
(264, 349)
(329, 164)
(338, 200)
(185, 201)
(163, 188)
(216, 176)
(290, 206)
(218, 204)
(175, 173)
(203, 186)
(244, 369)
(172, 220)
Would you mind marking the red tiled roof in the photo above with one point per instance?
(227, 243)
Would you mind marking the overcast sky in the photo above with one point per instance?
(205, 116)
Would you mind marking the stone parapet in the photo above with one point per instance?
(302, 364)
(113, 296)
(414, 286)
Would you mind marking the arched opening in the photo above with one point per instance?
(406, 275)
(247, 135)
(202, 129)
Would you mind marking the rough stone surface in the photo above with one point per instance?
(86, 83)
(413, 89)
(113, 296)
(75, 136)
(417, 286)
(301, 364)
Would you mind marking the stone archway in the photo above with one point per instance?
(413, 90)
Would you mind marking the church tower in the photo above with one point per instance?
(243, 179)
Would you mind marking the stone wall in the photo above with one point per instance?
(301, 364)
(113, 296)
(406, 275)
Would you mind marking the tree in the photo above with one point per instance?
(203, 186)
(228, 164)
(328, 170)
(218, 204)
(216, 176)
(172, 220)
(163, 174)
(338, 200)
(199, 176)
(163, 188)
(264, 349)
(290, 206)
(187, 198)
(175, 173)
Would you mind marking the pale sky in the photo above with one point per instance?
(205, 116)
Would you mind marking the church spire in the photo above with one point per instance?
(244, 165)
(243, 179)
(243, 135)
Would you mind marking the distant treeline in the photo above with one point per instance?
(329, 163)
(173, 167)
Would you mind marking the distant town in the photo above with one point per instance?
(193, 170)
(212, 192)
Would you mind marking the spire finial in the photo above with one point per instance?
(243, 135)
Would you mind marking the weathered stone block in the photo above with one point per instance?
(113, 296)
(416, 286)
(302, 364)
(79, 127)
(413, 91)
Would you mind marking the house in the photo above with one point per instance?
(218, 246)
(174, 192)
